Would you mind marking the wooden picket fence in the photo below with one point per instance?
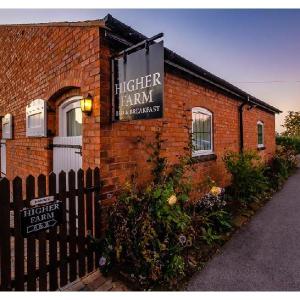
(53, 258)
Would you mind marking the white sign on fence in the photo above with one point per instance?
(42, 200)
(40, 218)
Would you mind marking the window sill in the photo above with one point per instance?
(204, 157)
(260, 148)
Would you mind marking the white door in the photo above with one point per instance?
(3, 158)
(67, 154)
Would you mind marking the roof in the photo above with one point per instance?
(88, 23)
(129, 36)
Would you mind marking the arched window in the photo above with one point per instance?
(260, 134)
(202, 132)
(70, 117)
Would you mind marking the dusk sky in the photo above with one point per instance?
(257, 50)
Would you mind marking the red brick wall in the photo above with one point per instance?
(47, 63)
(54, 63)
(251, 117)
(122, 155)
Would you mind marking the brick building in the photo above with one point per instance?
(61, 63)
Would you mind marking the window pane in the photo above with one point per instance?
(201, 131)
(260, 134)
(34, 120)
(74, 122)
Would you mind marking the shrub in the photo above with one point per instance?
(247, 175)
(281, 166)
(153, 230)
(149, 230)
(210, 217)
(148, 233)
(291, 143)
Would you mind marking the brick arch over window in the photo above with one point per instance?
(63, 83)
(53, 106)
(61, 87)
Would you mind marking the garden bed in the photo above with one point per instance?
(157, 238)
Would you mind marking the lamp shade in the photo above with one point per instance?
(86, 105)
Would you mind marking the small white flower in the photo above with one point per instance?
(102, 261)
(182, 239)
(110, 247)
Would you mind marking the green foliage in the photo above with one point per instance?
(291, 143)
(219, 220)
(147, 236)
(176, 266)
(209, 236)
(159, 163)
(247, 175)
(213, 225)
(280, 167)
(149, 229)
(210, 216)
(153, 229)
(292, 124)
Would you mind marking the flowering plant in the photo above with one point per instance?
(149, 230)
(148, 233)
(213, 199)
(210, 217)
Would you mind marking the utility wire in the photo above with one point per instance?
(271, 81)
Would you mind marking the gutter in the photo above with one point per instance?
(241, 122)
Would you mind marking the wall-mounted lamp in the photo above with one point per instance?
(86, 104)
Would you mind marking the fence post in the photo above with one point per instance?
(89, 216)
(72, 227)
(19, 240)
(31, 251)
(5, 235)
(81, 222)
(97, 209)
(42, 241)
(63, 232)
(53, 241)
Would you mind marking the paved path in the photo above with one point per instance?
(95, 281)
(265, 254)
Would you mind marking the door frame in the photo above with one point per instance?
(71, 103)
(66, 145)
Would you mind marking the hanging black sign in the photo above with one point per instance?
(40, 218)
(138, 84)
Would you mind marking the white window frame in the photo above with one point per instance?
(263, 134)
(7, 127)
(64, 108)
(208, 113)
(38, 106)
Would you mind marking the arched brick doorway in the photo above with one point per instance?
(67, 144)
